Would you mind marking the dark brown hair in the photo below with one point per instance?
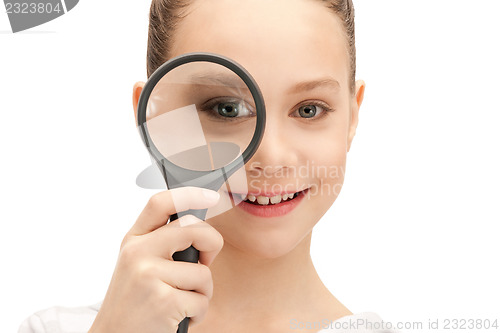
(165, 14)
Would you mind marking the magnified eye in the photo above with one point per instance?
(228, 109)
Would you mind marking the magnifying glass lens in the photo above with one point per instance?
(201, 116)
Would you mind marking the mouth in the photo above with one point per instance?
(269, 204)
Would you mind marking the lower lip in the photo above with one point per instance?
(271, 210)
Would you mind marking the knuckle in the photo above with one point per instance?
(203, 307)
(218, 239)
(198, 310)
(204, 273)
(156, 201)
(129, 253)
(221, 241)
(189, 221)
(205, 280)
(167, 297)
(125, 240)
(145, 271)
(205, 302)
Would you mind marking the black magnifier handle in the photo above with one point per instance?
(188, 255)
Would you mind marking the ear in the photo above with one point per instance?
(355, 105)
(135, 96)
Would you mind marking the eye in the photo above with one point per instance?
(312, 110)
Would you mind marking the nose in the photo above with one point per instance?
(276, 150)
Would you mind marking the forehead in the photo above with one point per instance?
(277, 41)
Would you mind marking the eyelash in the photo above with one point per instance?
(326, 108)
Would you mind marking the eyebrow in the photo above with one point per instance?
(326, 82)
(218, 79)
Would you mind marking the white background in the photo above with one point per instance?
(414, 234)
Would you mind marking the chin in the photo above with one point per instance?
(269, 246)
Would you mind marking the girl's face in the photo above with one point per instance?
(297, 52)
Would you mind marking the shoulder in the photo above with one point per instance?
(364, 322)
(60, 319)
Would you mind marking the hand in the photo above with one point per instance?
(149, 292)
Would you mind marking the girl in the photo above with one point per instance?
(255, 273)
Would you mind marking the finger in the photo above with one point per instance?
(163, 204)
(194, 305)
(173, 237)
(184, 275)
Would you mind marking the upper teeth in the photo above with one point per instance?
(263, 200)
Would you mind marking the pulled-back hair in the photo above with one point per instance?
(165, 14)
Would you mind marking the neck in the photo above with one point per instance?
(246, 286)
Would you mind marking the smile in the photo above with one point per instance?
(270, 205)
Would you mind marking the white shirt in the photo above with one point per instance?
(79, 320)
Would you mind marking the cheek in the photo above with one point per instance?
(328, 181)
(327, 169)
(326, 148)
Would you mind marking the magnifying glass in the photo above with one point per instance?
(201, 117)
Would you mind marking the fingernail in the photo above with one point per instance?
(211, 195)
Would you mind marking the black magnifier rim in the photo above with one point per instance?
(204, 57)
